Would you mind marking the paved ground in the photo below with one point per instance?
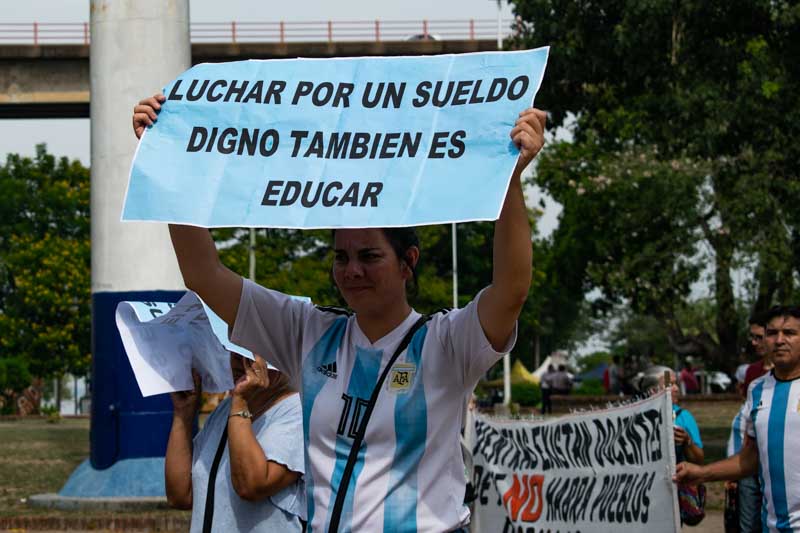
(712, 523)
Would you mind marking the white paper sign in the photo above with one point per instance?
(165, 341)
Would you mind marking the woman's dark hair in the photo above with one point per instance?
(400, 239)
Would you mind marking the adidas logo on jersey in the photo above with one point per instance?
(328, 370)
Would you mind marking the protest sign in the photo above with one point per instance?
(326, 143)
(165, 341)
(602, 471)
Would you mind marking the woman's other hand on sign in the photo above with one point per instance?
(145, 113)
(528, 135)
(186, 404)
(681, 436)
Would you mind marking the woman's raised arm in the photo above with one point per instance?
(502, 301)
(197, 255)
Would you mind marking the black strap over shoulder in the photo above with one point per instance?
(334, 310)
(208, 515)
(341, 492)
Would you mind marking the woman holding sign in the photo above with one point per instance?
(383, 389)
(243, 470)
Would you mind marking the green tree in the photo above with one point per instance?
(683, 162)
(45, 264)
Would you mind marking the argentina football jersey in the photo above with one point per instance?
(409, 472)
(738, 431)
(773, 420)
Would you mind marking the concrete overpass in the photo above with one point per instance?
(42, 79)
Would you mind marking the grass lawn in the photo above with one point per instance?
(37, 457)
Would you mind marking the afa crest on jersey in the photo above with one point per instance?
(401, 377)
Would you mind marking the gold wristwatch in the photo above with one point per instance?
(244, 413)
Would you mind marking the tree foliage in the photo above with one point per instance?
(45, 315)
(682, 169)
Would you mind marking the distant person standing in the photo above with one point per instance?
(688, 380)
(546, 384)
(561, 381)
(613, 377)
(759, 347)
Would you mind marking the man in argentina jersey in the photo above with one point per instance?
(772, 421)
(411, 459)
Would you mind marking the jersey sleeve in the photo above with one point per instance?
(270, 324)
(464, 340)
(747, 414)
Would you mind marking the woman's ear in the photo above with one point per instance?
(411, 258)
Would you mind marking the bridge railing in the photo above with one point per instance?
(40, 33)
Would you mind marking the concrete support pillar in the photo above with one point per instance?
(137, 46)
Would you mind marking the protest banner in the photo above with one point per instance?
(326, 143)
(602, 471)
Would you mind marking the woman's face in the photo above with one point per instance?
(673, 386)
(237, 367)
(367, 271)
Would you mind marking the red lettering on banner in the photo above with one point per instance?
(526, 489)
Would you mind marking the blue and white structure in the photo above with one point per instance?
(136, 47)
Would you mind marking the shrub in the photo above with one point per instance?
(526, 394)
(14, 377)
(590, 387)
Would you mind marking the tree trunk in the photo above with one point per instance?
(727, 323)
(58, 394)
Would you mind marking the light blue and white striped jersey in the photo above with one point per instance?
(773, 420)
(738, 431)
(409, 475)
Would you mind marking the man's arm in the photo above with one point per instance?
(501, 303)
(741, 465)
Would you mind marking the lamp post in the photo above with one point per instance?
(455, 267)
(506, 357)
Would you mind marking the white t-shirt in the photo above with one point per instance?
(410, 474)
(741, 372)
(279, 432)
(773, 420)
